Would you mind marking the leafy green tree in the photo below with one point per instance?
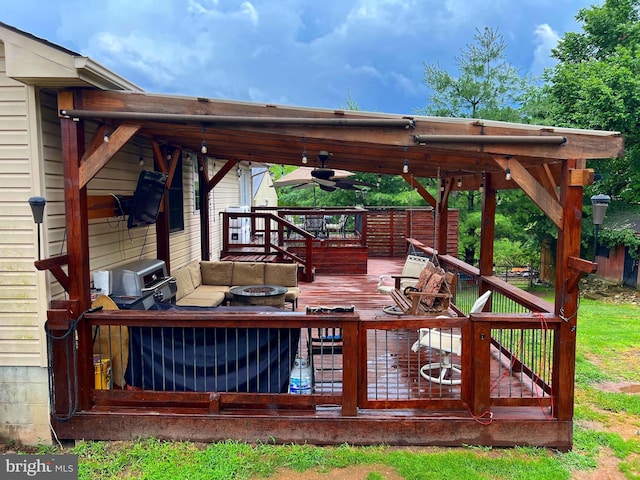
(596, 84)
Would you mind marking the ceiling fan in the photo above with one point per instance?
(328, 180)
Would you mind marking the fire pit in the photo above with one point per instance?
(270, 295)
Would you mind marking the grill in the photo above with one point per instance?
(138, 285)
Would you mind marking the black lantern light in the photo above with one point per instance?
(37, 209)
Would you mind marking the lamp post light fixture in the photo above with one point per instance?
(37, 209)
(599, 204)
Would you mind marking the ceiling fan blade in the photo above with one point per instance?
(327, 188)
(354, 183)
(304, 185)
(323, 182)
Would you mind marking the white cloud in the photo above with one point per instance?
(249, 10)
(545, 39)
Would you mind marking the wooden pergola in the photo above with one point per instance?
(548, 164)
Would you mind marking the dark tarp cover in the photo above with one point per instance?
(211, 359)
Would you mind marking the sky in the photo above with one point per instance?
(313, 53)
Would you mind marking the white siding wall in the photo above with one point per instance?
(185, 245)
(19, 323)
(225, 194)
(23, 380)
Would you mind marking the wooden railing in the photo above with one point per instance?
(266, 239)
(506, 360)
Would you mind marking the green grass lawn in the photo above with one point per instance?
(608, 351)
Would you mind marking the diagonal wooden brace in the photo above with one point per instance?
(578, 267)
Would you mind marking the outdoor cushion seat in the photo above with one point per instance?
(409, 276)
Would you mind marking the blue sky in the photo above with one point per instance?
(295, 52)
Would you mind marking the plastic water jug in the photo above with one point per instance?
(301, 379)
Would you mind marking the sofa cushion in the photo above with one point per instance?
(196, 275)
(216, 273)
(202, 298)
(247, 273)
(184, 283)
(292, 294)
(284, 274)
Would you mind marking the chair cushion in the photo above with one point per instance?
(196, 274)
(183, 281)
(247, 273)
(425, 276)
(432, 286)
(216, 273)
(480, 302)
(283, 274)
(202, 298)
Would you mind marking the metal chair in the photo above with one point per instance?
(339, 227)
(446, 343)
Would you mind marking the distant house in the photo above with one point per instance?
(264, 194)
(619, 263)
(32, 72)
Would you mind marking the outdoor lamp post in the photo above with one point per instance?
(37, 209)
(599, 204)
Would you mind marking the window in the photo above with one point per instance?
(196, 184)
(176, 200)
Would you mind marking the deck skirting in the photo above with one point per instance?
(324, 428)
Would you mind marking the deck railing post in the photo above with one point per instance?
(480, 367)
(350, 369)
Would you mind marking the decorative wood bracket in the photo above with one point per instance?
(226, 168)
(105, 151)
(578, 267)
(410, 179)
(547, 203)
(54, 265)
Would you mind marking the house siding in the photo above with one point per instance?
(19, 322)
(23, 380)
(31, 164)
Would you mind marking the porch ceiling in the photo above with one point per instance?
(357, 141)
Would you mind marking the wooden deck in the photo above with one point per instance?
(395, 404)
(358, 290)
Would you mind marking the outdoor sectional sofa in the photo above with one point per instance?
(207, 283)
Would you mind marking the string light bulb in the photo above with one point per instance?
(507, 172)
(203, 148)
(379, 180)
(106, 136)
(481, 189)
(304, 157)
(460, 182)
(405, 166)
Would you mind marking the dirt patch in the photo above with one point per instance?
(607, 469)
(358, 472)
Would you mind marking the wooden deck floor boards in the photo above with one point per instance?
(393, 369)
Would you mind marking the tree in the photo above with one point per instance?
(596, 84)
(487, 86)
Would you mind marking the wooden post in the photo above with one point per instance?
(443, 222)
(350, 368)
(77, 222)
(203, 193)
(162, 223)
(480, 361)
(488, 228)
(566, 301)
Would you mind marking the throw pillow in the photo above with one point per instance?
(425, 275)
(432, 286)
